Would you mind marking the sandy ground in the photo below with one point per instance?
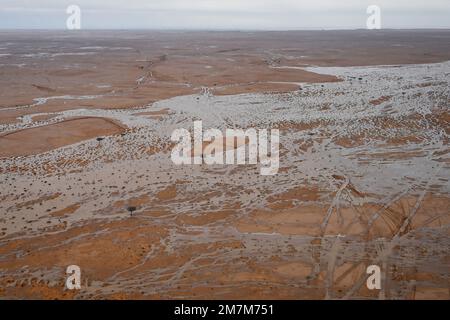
(40, 139)
(85, 125)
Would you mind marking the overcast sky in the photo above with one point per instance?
(224, 14)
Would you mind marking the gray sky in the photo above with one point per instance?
(224, 14)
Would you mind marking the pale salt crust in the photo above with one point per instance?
(349, 113)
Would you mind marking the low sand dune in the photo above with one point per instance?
(41, 139)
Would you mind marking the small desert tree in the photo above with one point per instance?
(131, 209)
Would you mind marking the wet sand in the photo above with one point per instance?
(85, 125)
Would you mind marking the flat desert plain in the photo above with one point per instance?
(86, 176)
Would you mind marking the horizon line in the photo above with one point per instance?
(226, 29)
